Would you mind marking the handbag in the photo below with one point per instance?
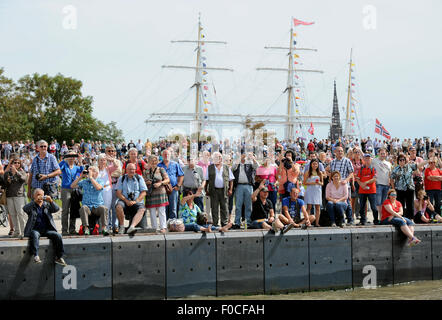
(3, 198)
(169, 188)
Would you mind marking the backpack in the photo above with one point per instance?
(136, 175)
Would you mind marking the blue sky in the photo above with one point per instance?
(118, 48)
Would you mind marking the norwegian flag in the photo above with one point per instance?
(379, 129)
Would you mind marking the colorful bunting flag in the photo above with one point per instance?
(303, 23)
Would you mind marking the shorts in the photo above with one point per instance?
(257, 224)
(130, 212)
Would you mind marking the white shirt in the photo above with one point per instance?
(383, 170)
(219, 183)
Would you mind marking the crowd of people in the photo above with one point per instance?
(217, 186)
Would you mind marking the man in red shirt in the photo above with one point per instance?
(367, 190)
(311, 146)
(433, 184)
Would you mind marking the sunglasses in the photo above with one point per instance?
(402, 159)
(111, 151)
(43, 146)
(393, 194)
(16, 162)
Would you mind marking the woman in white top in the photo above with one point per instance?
(105, 176)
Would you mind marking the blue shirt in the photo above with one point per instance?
(68, 175)
(41, 224)
(44, 166)
(173, 171)
(291, 205)
(92, 197)
(131, 185)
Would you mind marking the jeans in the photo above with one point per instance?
(363, 200)
(171, 209)
(54, 236)
(243, 194)
(112, 212)
(381, 194)
(398, 222)
(196, 227)
(336, 211)
(435, 198)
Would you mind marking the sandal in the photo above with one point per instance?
(11, 232)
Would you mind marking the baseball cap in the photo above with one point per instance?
(367, 155)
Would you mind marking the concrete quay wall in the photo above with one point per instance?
(177, 265)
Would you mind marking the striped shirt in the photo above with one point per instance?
(343, 166)
(43, 166)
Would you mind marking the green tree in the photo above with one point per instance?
(13, 119)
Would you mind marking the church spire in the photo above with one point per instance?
(335, 128)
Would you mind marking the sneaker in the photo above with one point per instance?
(287, 228)
(274, 227)
(304, 227)
(236, 227)
(131, 231)
(350, 224)
(333, 225)
(95, 231)
(61, 262)
(37, 259)
(376, 223)
(121, 230)
(87, 232)
(65, 234)
(105, 232)
(362, 223)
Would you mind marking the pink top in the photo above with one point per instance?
(267, 173)
(332, 192)
(204, 166)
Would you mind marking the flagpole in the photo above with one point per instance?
(290, 84)
(347, 122)
(197, 78)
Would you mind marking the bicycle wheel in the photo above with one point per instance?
(3, 216)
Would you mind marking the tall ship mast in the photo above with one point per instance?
(205, 115)
(293, 111)
(349, 125)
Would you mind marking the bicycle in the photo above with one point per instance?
(3, 213)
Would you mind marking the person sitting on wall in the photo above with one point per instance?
(92, 202)
(193, 218)
(41, 223)
(263, 215)
(424, 209)
(294, 213)
(392, 212)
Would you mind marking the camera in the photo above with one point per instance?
(131, 196)
(287, 163)
(425, 197)
(38, 176)
(86, 169)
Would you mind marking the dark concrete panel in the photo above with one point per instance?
(240, 263)
(139, 267)
(330, 259)
(191, 264)
(286, 261)
(20, 277)
(91, 257)
(412, 263)
(372, 246)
